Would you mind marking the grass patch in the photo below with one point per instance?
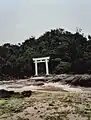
(11, 105)
(55, 117)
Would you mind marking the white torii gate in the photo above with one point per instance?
(39, 60)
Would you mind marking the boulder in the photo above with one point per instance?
(56, 79)
(75, 80)
(81, 80)
(69, 79)
(5, 93)
(26, 93)
(85, 81)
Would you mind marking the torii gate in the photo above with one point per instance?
(39, 60)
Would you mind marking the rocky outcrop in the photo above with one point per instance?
(7, 94)
(58, 78)
(83, 80)
(26, 93)
(76, 80)
(79, 80)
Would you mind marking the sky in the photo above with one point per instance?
(21, 19)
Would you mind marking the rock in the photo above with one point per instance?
(81, 80)
(5, 93)
(1, 82)
(55, 79)
(26, 93)
(85, 81)
(51, 104)
(69, 79)
(75, 80)
(59, 78)
(38, 83)
(35, 107)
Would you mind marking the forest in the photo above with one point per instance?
(69, 53)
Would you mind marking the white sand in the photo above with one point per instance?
(20, 87)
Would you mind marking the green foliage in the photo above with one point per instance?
(69, 53)
(63, 67)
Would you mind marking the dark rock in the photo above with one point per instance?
(43, 80)
(50, 104)
(5, 93)
(81, 80)
(56, 79)
(75, 80)
(26, 93)
(35, 107)
(85, 81)
(68, 79)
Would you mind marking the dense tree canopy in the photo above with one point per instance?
(69, 53)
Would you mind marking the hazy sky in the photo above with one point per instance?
(20, 19)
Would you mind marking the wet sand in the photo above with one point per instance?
(49, 101)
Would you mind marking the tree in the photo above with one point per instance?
(69, 53)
